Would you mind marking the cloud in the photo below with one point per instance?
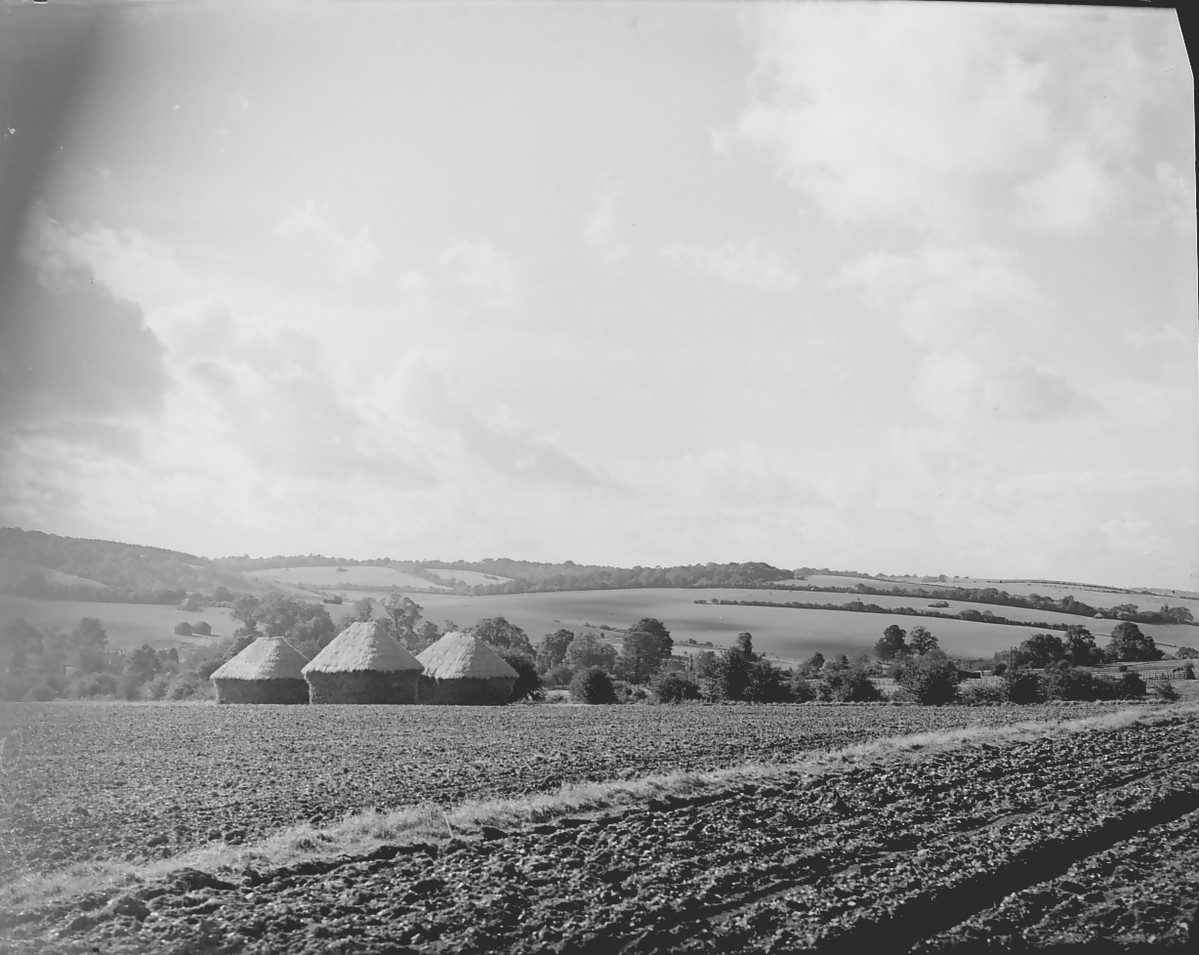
(940, 294)
(598, 226)
(939, 117)
(954, 385)
(485, 274)
(133, 266)
(348, 256)
(744, 262)
(70, 349)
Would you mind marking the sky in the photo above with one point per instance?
(899, 288)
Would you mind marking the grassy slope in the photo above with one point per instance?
(329, 578)
(127, 625)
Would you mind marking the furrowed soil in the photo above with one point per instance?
(998, 837)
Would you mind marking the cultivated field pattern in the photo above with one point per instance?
(980, 835)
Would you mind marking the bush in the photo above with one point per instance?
(1069, 683)
(930, 680)
(41, 693)
(592, 685)
(94, 684)
(847, 685)
(558, 676)
(1166, 692)
(1023, 686)
(802, 691)
(528, 680)
(674, 688)
(980, 694)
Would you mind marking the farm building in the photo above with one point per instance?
(460, 669)
(363, 664)
(267, 671)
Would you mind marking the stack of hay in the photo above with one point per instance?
(363, 664)
(460, 669)
(267, 671)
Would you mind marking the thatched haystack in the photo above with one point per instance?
(267, 671)
(460, 669)
(363, 664)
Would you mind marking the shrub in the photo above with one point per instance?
(1165, 692)
(528, 680)
(1023, 686)
(930, 680)
(1069, 683)
(674, 688)
(980, 694)
(558, 676)
(592, 685)
(94, 684)
(41, 693)
(802, 691)
(1130, 686)
(847, 685)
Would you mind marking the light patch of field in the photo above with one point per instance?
(15, 571)
(789, 635)
(472, 578)
(127, 625)
(356, 577)
(1080, 592)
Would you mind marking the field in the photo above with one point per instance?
(786, 635)
(789, 635)
(1087, 595)
(354, 577)
(693, 829)
(127, 625)
(471, 578)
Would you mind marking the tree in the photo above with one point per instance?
(89, 646)
(552, 652)
(1128, 644)
(674, 688)
(931, 678)
(651, 625)
(1023, 686)
(364, 609)
(892, 645)
(592, 685)
(640, 656)
(1040, 650)
(502, 635)
(1080, 649)
(1186, 653)
(404, 614)
(846, 684)
(245, 610)
(588, 649)
(921, 641)
(528, 681)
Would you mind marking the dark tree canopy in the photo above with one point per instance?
(1128, 644)
(499, 633)
(892, 646)
(552, 652)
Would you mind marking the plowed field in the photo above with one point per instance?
(1083, 835)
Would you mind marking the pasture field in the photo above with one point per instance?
(1087, 595)
(127, 625)
(527, 829)
(787, 634)
(351, 576)
(472, 578)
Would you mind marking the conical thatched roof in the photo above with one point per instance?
(463, 655)
(363, 646)
(267, 658)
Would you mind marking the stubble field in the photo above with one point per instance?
(158, 827)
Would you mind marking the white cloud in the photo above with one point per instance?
(744, 262)
(939, 294)
(347, 255)
(133, 265)
(486, 274)
(932, 116)
(599, 226)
